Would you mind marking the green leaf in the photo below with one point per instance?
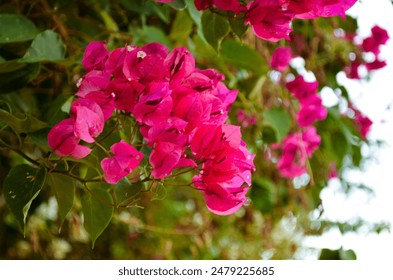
(21, 186)
(125, 191)
(97, 210)
(237, 26)
(15, 75)
(263, 195)
(214, 28)
(181, 28)
(178, 4)
(280, 120)
(150, 34)
(16, 28)
(21, 125)
(327, 254)
(64, 189)
(242, 56)
(347, 254)
(47, 46)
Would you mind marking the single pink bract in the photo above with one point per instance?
(124, 160)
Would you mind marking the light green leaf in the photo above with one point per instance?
(214, 28)
(280, 120)
(97, 210)
(242, 56)
(16, 28)
(181, 28)
(47, 46)
(64, 189)
(21, 186)
(178, 4)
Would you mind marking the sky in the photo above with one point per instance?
(373, 98)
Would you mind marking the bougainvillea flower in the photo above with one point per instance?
(363, 123)
(296, 148)
(104, 100)
(88, 119)
(62, 140)
(375, 65)
(181, 64)
(292, 162)
(155, 102)
(226, 5)
(124, 160)
(301, 89)
(352, 71)
(226, 167)
(95, 56)
(281, 58)
(378, 37)
(146, 64)
(93, 81)
(164, 158)
(222, 200)
(311, 140)
(311, 110)
(269, 20)
(323, 8)
(125, 93)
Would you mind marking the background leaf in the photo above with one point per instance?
(47, 46)
(15, 75)
(280, 120)
(97, 212)
(242, 56)
(16, 28)
(214, 28)
(21, 186)
(64, 189)
(125, 191)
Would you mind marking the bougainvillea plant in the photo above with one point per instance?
(201, 121)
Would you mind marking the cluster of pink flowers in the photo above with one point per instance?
(245, 119)
(296, 148)
(271, 19)
(311, 108)
(370, 45)
(362, 122)
(281, 58)
(178, 108)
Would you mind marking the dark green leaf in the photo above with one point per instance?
(125, 191)
(263, 195)
(14, 75)
(47, 46)
(242, 56)
(16, 28)
(97, 210)
(327, 254)
(214, 28)
(64, 188)
(237, 26)
(21, 125)
(280, 120)
(21, 186)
